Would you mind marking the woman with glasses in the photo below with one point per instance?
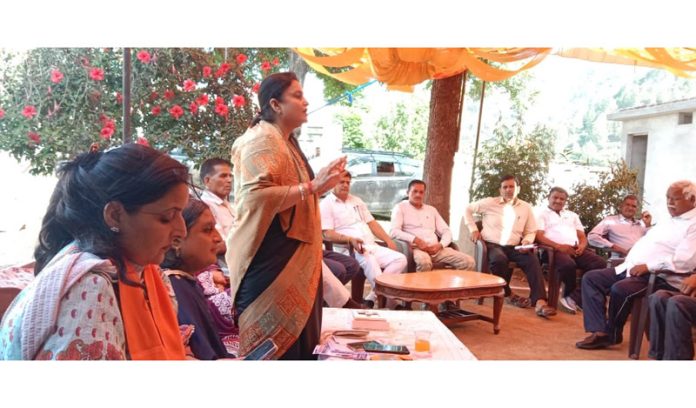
(183, 264)
(274, 253)
(98, 291)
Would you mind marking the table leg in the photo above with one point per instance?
(381, 301)
(497, 308)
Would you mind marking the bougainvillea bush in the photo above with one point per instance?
(57, 102)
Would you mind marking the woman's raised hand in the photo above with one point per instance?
(329, 176)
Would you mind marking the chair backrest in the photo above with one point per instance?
(7, 295)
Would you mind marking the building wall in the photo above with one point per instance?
(671, 156)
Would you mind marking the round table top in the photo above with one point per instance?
(440, 279)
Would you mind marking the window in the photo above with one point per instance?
(360, 167)
(385, 168)
(686, 118)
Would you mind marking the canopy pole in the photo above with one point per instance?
(126, 95)
(476, 144)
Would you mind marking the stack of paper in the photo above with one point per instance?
(368, 320)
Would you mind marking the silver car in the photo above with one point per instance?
(381, 178)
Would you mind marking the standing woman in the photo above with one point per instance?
(98, 292)
(274, 254)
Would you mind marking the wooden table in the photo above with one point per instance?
(438, 286)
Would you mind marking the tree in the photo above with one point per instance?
(57, 102)
(526, 156)
(593, 203)
(446, 99)
(404, 129)
(353, 137)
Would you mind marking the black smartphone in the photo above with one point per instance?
(263, 351)
(386, 348)
(360, 345)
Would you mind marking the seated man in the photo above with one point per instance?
(346, 220)
(420, 225)
(216, 176)
(508, 222)
(672, 315)
(562, 230)
(667, 245)
(334, 293)
(619, 232)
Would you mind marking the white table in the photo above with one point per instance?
(444, 345)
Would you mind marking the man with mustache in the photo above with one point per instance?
(668, 245)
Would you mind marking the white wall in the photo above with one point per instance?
(671, 156)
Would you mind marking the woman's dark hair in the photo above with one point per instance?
(191, 213)
(133, 175)
(272, 88)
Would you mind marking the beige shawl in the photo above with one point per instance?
(265, 166)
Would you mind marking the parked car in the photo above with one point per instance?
(381, 178)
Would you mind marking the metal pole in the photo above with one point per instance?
(126, 95)
(476, 145)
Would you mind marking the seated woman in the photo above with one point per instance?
(98, 291)
(216, 288)
(191, 255)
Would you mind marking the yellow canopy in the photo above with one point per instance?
(402, 68)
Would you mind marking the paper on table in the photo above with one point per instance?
(333, 348)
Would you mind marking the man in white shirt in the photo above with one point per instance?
(562, 230)
(667, 245)
(508, 222)
(345, 220)
(216, 176)
(619, 232)
(422, 226)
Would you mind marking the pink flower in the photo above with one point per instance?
(256, 87)
(275, 61)
(144, 56)
(56, 76)
(224, 67)
(221, 110)
(168, 95)
(153, 96)
(207, 71)
(119, 97)
(238, 101)
(29, 111)
(108, 123)
(176, 111)
(106, 133)
(202, 100)
(96, 74)
(219, 101)
(193, 107)
(142, 141)
(265, 66)
(241, 59)
(2, 113)
(189, 85)
(34, 137)
(156, 110)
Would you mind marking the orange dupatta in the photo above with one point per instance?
(149, 318)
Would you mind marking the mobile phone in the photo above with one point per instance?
(386, 348)
(263, 351)
(360, 345)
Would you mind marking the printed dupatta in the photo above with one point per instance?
(265, 166)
